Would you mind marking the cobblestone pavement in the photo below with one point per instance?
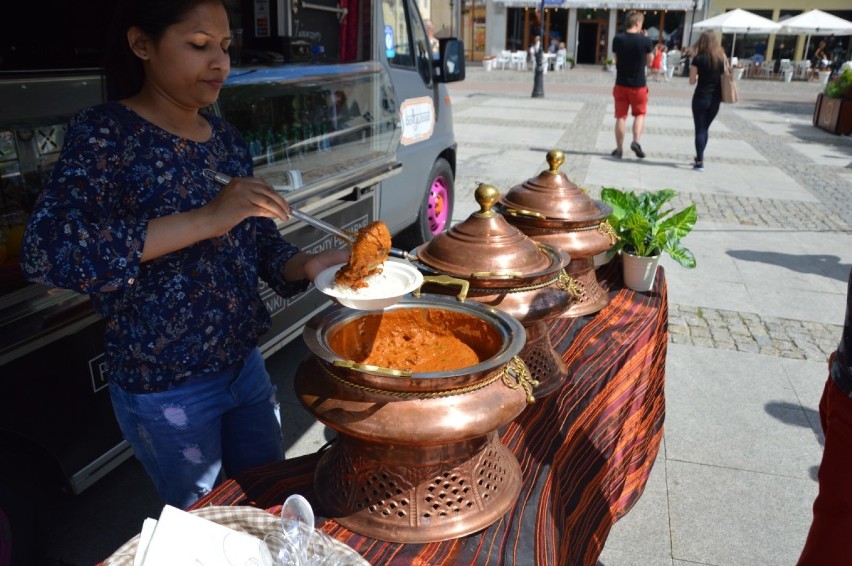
(748, 332)
(745, 211)
(712, 328)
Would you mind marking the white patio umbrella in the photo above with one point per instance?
(816, 22)
(654, 33)
(738, 21)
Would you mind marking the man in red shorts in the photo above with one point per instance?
(632, 50)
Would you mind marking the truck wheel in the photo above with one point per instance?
(436, 211)
(18, 522)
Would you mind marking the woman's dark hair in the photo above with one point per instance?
(124, 71)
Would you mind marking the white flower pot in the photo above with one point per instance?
(823, 77)
(738, 73)
(639, 272)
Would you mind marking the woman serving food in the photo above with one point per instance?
(170, 259)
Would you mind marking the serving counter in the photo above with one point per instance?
(586, 450)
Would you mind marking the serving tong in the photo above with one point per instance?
(318, 223)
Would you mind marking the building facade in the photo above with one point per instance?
(588, 26)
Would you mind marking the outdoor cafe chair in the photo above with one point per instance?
(784, 66)
(519, 60)
(803, 69)
(505, 57)
(673, 63)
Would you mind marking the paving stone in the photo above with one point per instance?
(695, 321)
(747, 346)
(700, 332)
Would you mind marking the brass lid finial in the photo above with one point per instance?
(486, 197)
(555, 159)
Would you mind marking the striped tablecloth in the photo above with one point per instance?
(585, 451)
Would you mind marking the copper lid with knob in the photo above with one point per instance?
(552, 200)
(552, 210)
(486, 249)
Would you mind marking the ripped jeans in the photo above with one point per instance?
(190, 436)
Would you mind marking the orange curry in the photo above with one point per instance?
(416, 340)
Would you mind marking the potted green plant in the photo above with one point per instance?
(833, 111)
(570, 62)
(645, 230)
(609, 64)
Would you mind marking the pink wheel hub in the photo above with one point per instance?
(438, 205)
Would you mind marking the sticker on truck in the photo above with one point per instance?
(390, 43)
(97, 371)
(418, 119)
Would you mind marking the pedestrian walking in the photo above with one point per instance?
(657, 62)
(632, 52)
(828, 540)
(705, 72)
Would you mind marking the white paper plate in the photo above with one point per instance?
(398, 278)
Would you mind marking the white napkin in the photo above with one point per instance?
(181, 538)
(144, 539)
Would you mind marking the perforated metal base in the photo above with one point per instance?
(415, 501)
(544, 364)
(593, 297)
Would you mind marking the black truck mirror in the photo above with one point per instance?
(450, 66)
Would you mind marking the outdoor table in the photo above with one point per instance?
(585, 451)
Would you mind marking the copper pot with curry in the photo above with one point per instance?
(417, 393)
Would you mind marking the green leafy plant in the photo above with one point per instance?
(841, 86)
(645, 229)
(570, 61)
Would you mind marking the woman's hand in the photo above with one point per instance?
(241, 198)
(307, 266)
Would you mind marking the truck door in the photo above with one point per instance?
(427, 145)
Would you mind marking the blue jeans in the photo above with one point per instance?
(188, 436)
(704, 110)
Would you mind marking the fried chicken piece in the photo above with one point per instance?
(369, 252)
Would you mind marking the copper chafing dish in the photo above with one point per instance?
(552, 210)
(494, 263)
(418, 456)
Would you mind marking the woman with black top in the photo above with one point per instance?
(705, 71)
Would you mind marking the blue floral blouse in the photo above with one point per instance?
(190, 312)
